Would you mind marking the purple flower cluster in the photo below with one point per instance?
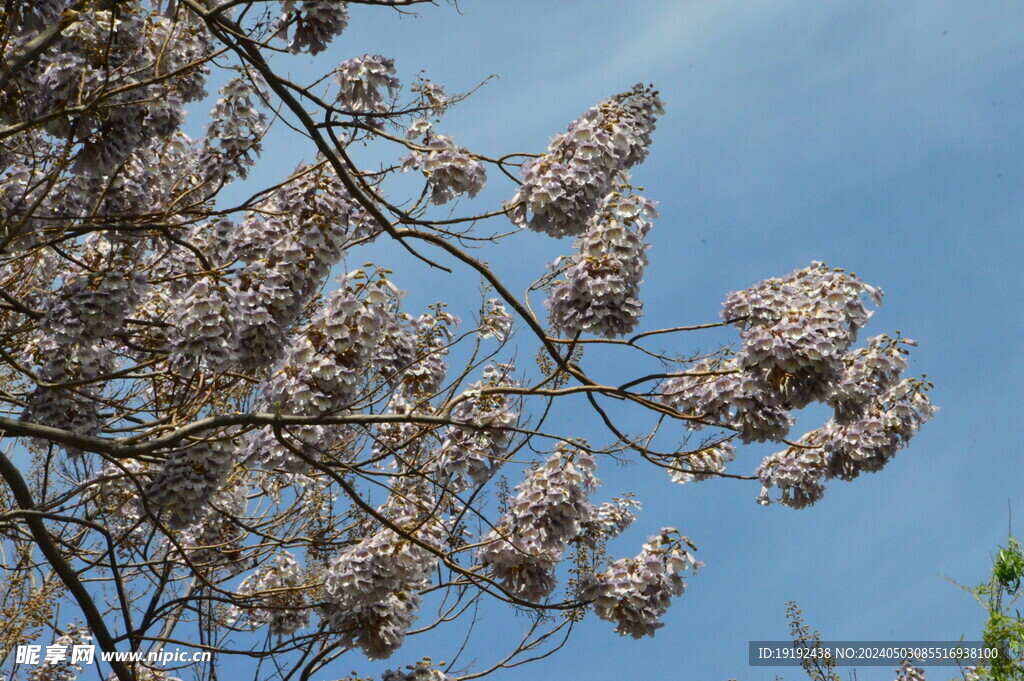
(410, 357)
(152, 66)
(495, 320)
(797, 333)
(703, 463)
(371, 590)
(563, 189)
(275, 595)
(71, 400)
(422, 671)
(189, 479)
(93, 305)
(116, 499)
(796, 329)
(635, 592)
(450, 169)
(866, 373)
(236, 127)
(798, 472)
(362, 82)
(601, 287)
(718, 393)
(433, 97)
(215, 538)
(471, 453)
(74, 342)
(420, 368)
(848, 447)
(205, 327)
(612, 518)
(287, 247)
(908, 672)
(550, 509)
(313, 23)
(323, 369)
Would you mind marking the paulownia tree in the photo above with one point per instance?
(214, 439)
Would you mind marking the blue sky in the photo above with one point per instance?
(885, 138)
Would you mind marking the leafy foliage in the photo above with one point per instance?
(1004, 628)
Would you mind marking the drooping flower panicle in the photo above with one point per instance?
(563, 188)
(600, 292)
(549, 511)
(635, 593)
